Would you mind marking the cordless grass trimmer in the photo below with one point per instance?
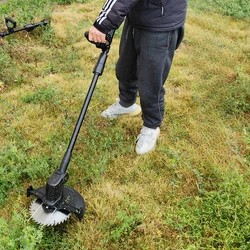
(11, 26)
(55, 202)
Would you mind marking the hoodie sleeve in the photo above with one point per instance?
(112, 14)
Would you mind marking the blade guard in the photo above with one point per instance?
(56, 195)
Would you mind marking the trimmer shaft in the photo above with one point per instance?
(56, 202)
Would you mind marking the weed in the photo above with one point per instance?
(17, 166)
(219, 219)
(237, 99)
(122, 226)
(234, 8)
(247, 141)
(42, 95)
(17, 233)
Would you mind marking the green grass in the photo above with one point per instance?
(234, 8)
(219, 218)
(192, 192)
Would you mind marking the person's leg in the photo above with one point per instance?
(126, 74)
(126, 67)
(155, 52)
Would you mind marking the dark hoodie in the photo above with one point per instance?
(153, 15)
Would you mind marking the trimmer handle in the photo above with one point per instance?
(103, 46)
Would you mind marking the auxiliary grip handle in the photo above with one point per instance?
(10, 23)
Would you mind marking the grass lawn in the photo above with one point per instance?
(191, 192)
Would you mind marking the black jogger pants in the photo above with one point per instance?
(143, 65)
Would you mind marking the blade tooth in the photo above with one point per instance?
(39, 223)
(46, 219)
(60, 222)
(50, 223)
(36, 221)
(54, 223)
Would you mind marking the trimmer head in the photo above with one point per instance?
(46, 213)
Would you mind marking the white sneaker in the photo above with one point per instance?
(117, 109)
(146, 140)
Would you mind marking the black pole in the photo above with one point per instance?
(68, 153)
(98, 70)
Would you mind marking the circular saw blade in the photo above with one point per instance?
(39, 215)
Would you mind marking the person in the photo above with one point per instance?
(152, 31)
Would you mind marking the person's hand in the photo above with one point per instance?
(96, 36)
